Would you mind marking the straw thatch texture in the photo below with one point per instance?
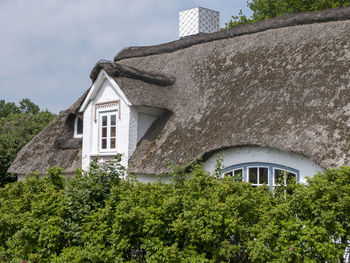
(140, 87)
(286, 88)
(54, 146)
(118, 70)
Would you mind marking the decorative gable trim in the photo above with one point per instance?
(107, 105)
(102, 76)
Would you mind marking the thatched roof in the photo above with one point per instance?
(287, 87)
(141, 87)
(118, 70)
(305, 18)
(283, 83)
(54, 146)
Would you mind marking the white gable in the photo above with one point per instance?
(104, 81)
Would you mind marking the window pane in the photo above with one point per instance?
(228, 174)
(113, 117)
(104, 132)
(263, 174)
(112, 143)
(238, 174)
(104, 120)
(291, 178)
(112, 131)
(104, 143)
(279, 177)
(80, 126)
(253, 175)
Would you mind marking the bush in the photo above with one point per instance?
(96, 217)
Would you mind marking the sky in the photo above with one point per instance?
(49, 47)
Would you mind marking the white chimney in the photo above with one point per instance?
(198, 20)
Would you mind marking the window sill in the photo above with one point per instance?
(104, 154)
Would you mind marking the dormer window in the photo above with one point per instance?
(78, 127)
(108, 131)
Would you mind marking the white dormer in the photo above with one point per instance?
(112, 124)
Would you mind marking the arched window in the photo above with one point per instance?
(263, 174)
(78, 127)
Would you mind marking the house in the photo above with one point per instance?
(268, 97)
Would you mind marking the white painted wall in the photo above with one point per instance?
(248, 154)
(152, 179)
(87, 135)
(133, 124)
(144, 122)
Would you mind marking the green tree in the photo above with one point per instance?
(262, 9)
(18, 125)
(7, 108)
(27, 106)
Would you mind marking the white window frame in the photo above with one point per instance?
(284, 176)
(76, 134)
(258, 175)
(108, 114)
(233, 172)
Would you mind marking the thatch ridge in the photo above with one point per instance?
(304, 18)
(118, 70)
